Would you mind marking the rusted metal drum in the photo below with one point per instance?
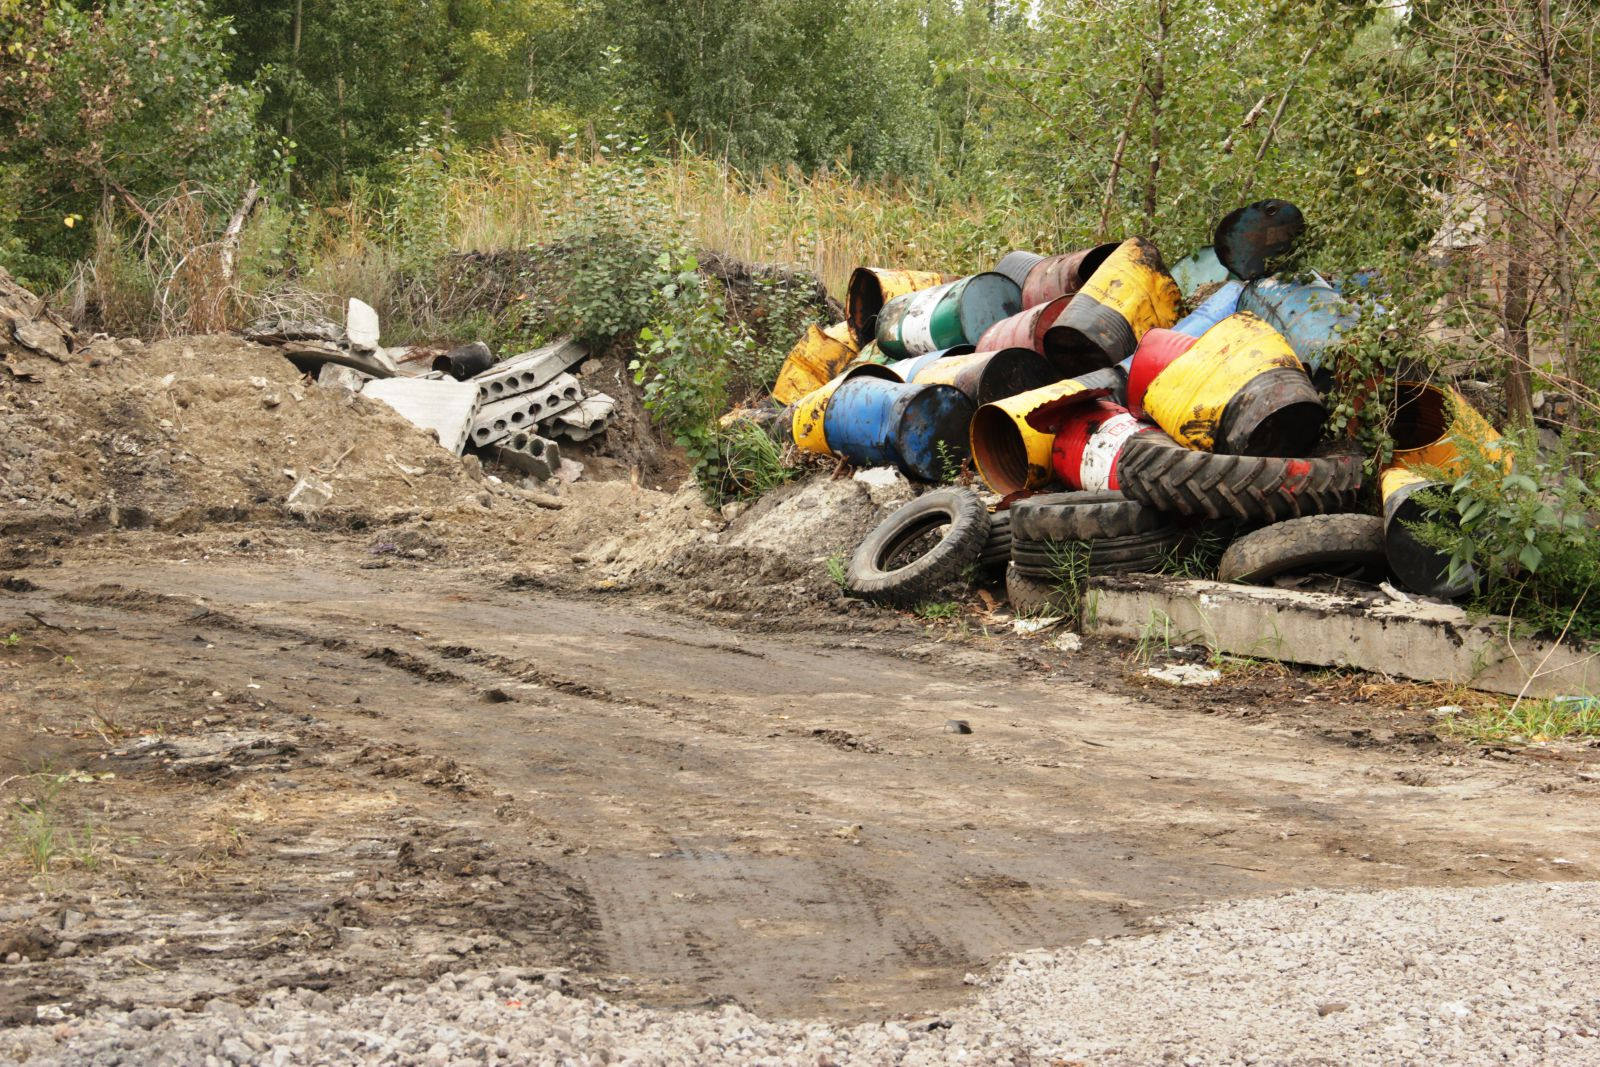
(1025, 329)
(1112, 379)
(922, 429)
(1201, 267)
(1238, 390)
(1420, 567)
(807, 426)
(872, 287)
(819, 357)
(989, 376)
(1089, 443)
(1130, 293)
(1063, 275)
(1010, 454)
(1312, 316)
(906, 369)
(956, 313)
(1428, 425)
(1016, 265)
(1249, 240)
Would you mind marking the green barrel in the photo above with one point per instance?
(956, 313)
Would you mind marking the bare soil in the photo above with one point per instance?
(623, 742)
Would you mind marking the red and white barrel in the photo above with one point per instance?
(1089, 444)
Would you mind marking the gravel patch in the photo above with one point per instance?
(1504, 975)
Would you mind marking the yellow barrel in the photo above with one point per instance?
(1127, 295)
(806, 426)
(1239, 389)
(872, 287)
(1009, 453)
(818, 358)
(1427, 422)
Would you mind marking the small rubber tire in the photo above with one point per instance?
(1034, 596)
(1086, 516)
(1305, 544)
(1163, 474)
(959, 548)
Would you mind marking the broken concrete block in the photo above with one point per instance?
(445, 407)
(502, 418)
(347, 379)
(569, 470)
(309, 496)
(528, 453)
(361, 326)
(276, 331)
(529, 370)
(579, 423)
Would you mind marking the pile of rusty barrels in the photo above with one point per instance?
(1082, 372)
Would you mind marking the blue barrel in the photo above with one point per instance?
(908, 369)
(1199, 268)
(922, 429)
(1216, 307)
(1310, 315)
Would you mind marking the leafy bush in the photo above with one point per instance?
(1525, 525)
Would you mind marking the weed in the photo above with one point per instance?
(36, 836)
(750, 462)
(1158, 634)
(950, 467)
(838, 569)
(1529, 721)
(11, 640)
(1197, 555)
(935, 611)
(1069, 565)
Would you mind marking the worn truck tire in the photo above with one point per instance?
(1161, 473)
(870, 575)
(1344, 543)
(1145, 548)
(1088, 516)
(1033, 596)
(997, 550)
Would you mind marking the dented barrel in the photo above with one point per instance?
(819, 357)
(1016, 265)
(1238, 390)
(1419, 567)
(1112, 379)
(872, 287)
(1158, 349)
(807, 426)
(1311, 315)
(1010, 453)
(922, 429)
(1200, 268)
(1025, 329)
(989, 376)
(906, 369)
(1057, 276)
(1428, 425)
(955, 313)
(1101, 326)
(1089, 444)
(1250, 241)
(1212, 310)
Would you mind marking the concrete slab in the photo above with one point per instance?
(588, 417)
(500, 419)
(529, 453)
(445, 407)
(361, 326)
(529, 370)
(1423, 641)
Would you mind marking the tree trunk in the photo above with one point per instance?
(294, 67)
(1156, 84)
(1515, 308)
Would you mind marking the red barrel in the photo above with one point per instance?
(1062, 275)
(1157, 349)
(1024, 330)
(1090, 442)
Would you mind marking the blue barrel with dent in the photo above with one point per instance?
(1311, 315)
(908, 369)
(1216, 307)
(922, 429)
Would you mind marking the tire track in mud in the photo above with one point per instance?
(704, 798)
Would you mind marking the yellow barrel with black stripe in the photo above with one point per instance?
(1238, 390)
(1130, 293)
(1009, 453)
(818, 358)
(872, 287)
(1420, 567)
(806, 426)
(1429, 425)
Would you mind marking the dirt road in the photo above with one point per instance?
(330, 775)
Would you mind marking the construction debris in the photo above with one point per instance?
(447, 408)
